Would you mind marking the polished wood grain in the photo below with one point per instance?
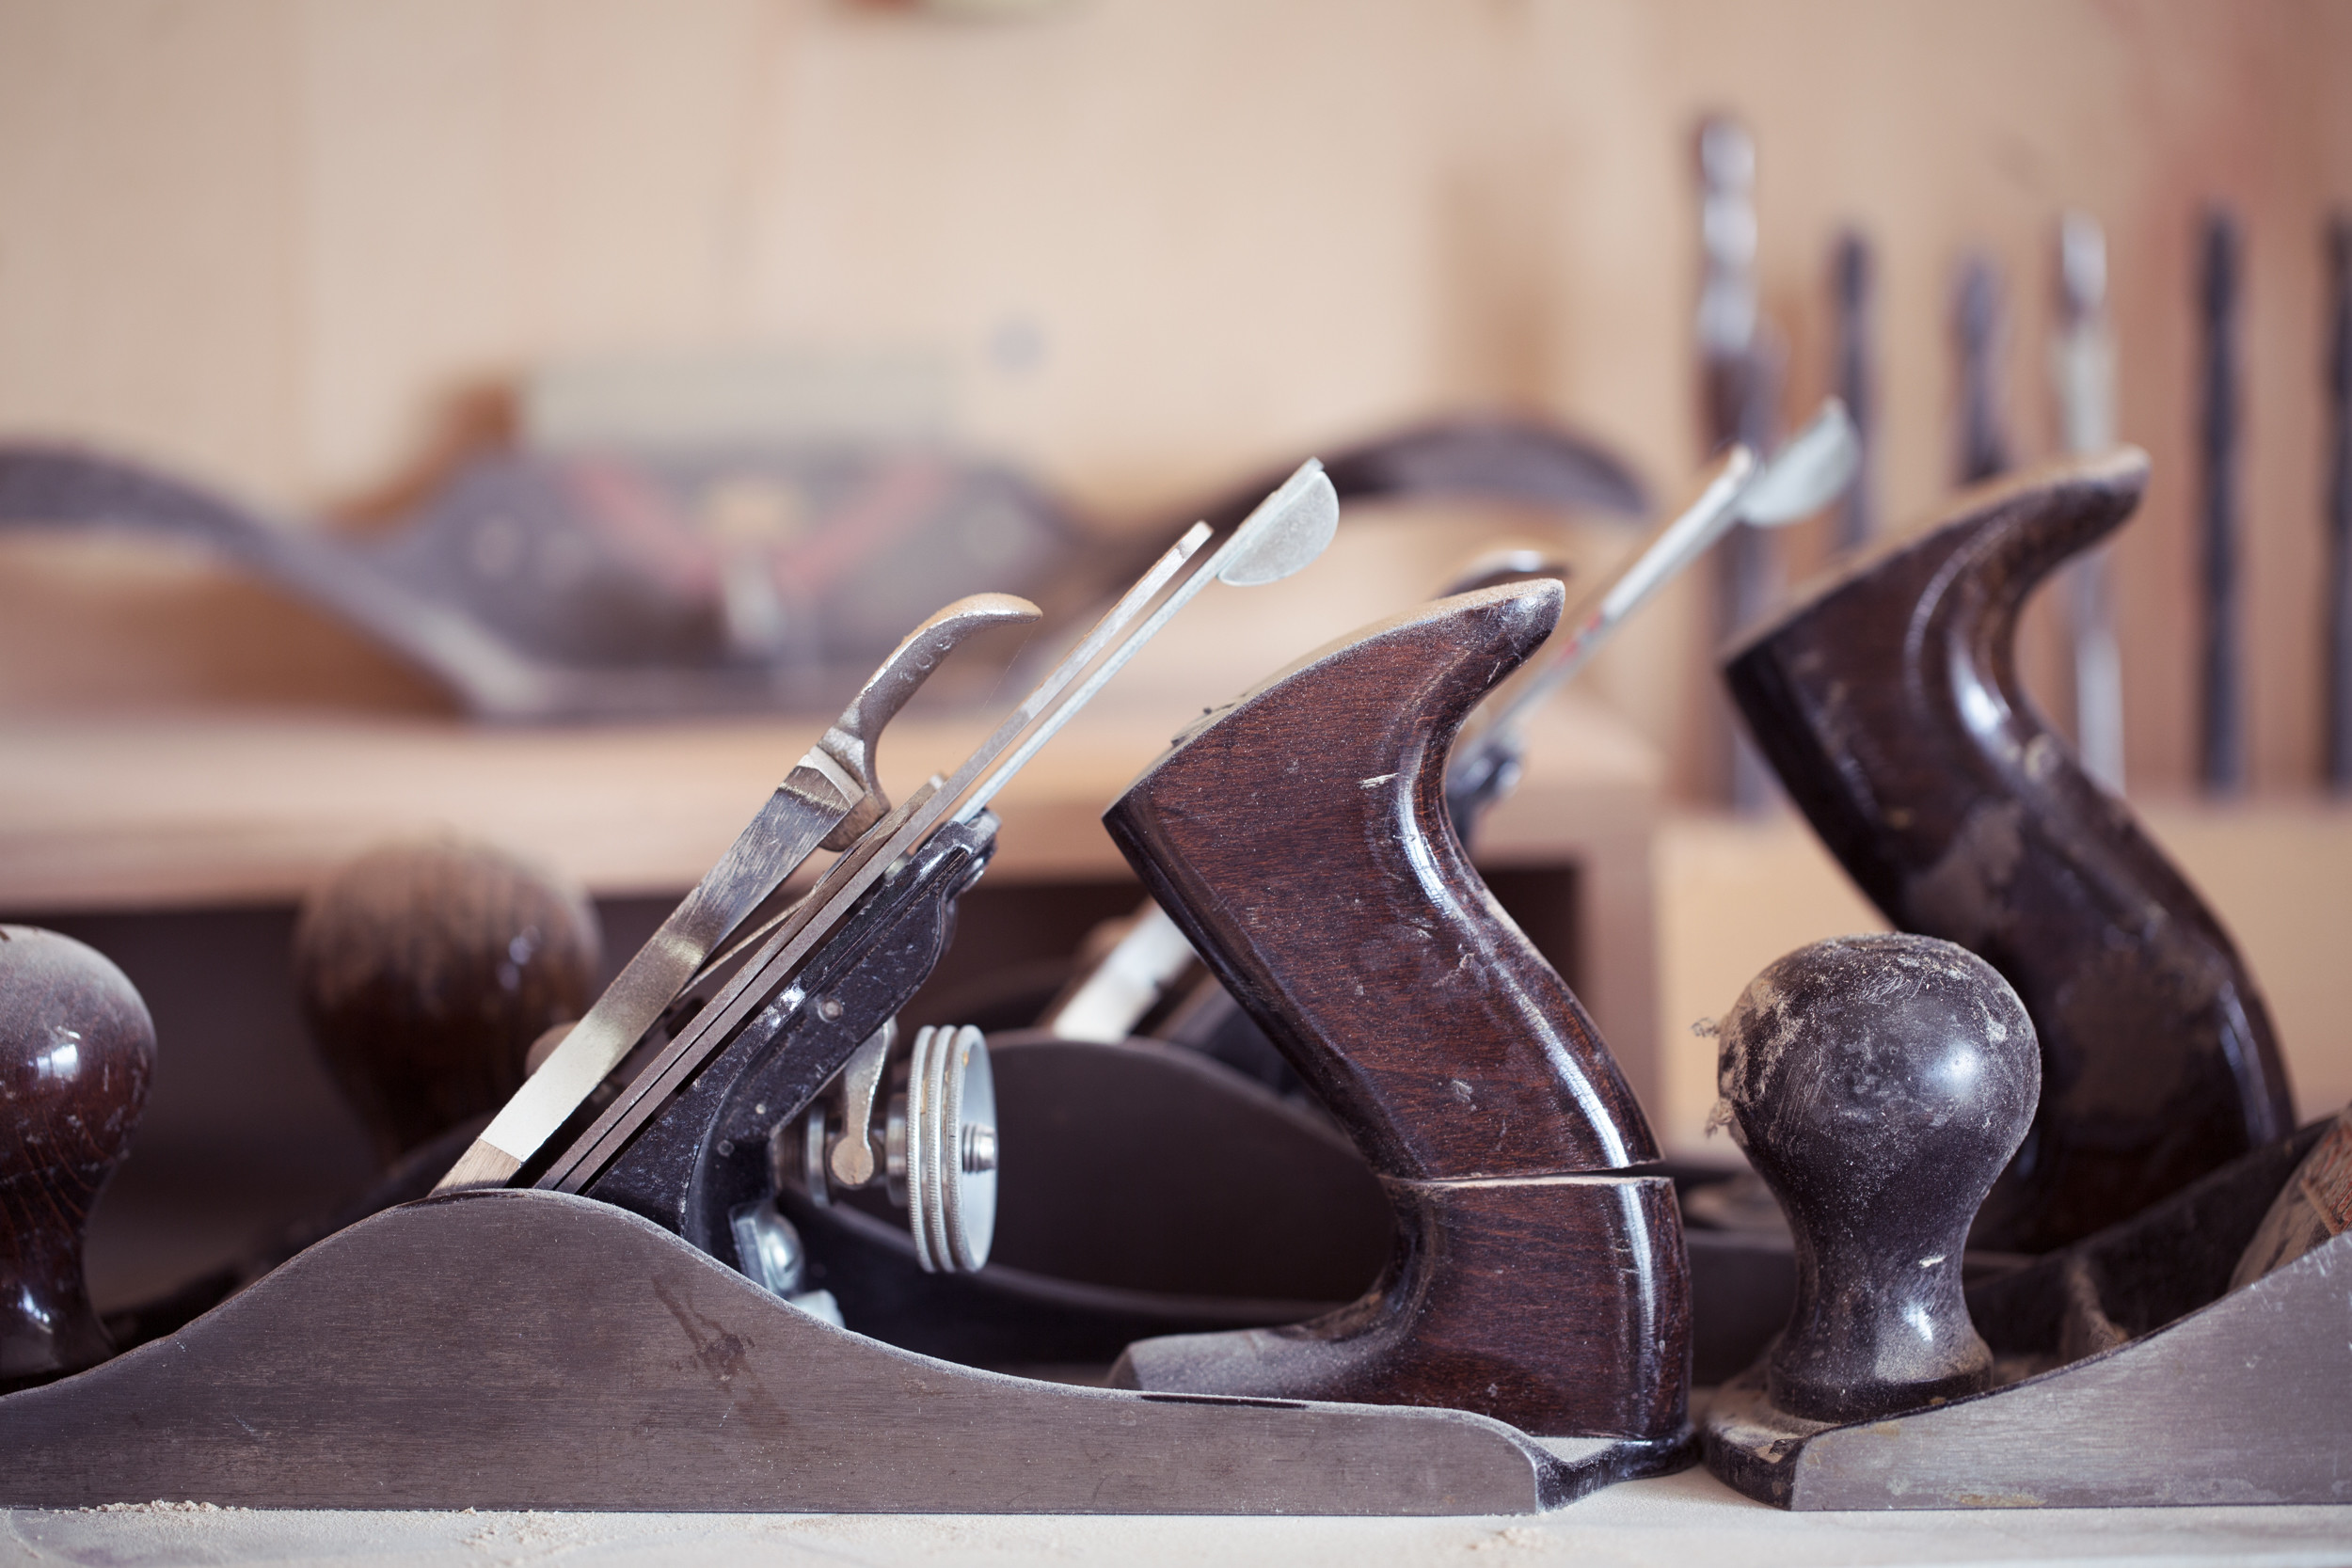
(1558, 1303)
(1888, 700)
(76, 1052)
(1878, 1083)
(1300, 837)
(426, 968)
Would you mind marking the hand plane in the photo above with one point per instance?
(602, 583)
(1300, 836)
(1887, 699)
(1282, 1224)
(1878, 1085)
(587, 1317)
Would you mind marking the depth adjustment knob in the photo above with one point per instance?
(945, 1158)
(931, 1146)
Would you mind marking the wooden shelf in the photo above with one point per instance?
(1735, 894)
(186, 810)
(212, 809)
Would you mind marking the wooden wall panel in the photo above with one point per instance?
(294, 248)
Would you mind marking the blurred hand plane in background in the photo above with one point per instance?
(652, 547)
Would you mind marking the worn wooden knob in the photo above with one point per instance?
(1879, 1084)
(426, 968)
(76, 1050)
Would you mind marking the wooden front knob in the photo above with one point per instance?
(426, 968)
(76, 1050)
(1879, 1084)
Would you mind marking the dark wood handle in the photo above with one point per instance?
(1888, 700)
(76, 1052)
(1300, 839)
(1492, 1302)
(426, 968)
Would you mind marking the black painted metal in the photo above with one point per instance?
(706, 1151)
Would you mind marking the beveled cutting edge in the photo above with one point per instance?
(1804, 476)
(832, 787)
(1285, 533)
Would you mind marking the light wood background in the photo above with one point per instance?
(300, 250)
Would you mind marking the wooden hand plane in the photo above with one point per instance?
(506, 1346)
(592, 584)
(1878, 1083)
(1888, 701)
(1300, 837)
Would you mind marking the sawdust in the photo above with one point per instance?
(1509, 1537)
(515, 1538)
(161, 1505)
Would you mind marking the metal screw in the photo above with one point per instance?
(830, 1008)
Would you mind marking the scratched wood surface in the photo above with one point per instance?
(77, 1050)
(1300, 837)
(1888, 700)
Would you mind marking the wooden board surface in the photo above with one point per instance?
(214, 808)
(1733, 896)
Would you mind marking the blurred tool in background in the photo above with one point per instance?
(1743, 362)
(426, 968)
(653, 571)
(1980, 332)
(2336, 680)
(2082, 366)
(2222, 718)
(1853, 285)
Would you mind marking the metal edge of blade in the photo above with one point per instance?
(1808, 471)
(858, 869)
(1585, 624)
(620, 1016)
(1285, 531)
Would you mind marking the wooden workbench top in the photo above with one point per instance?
(220, 807)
